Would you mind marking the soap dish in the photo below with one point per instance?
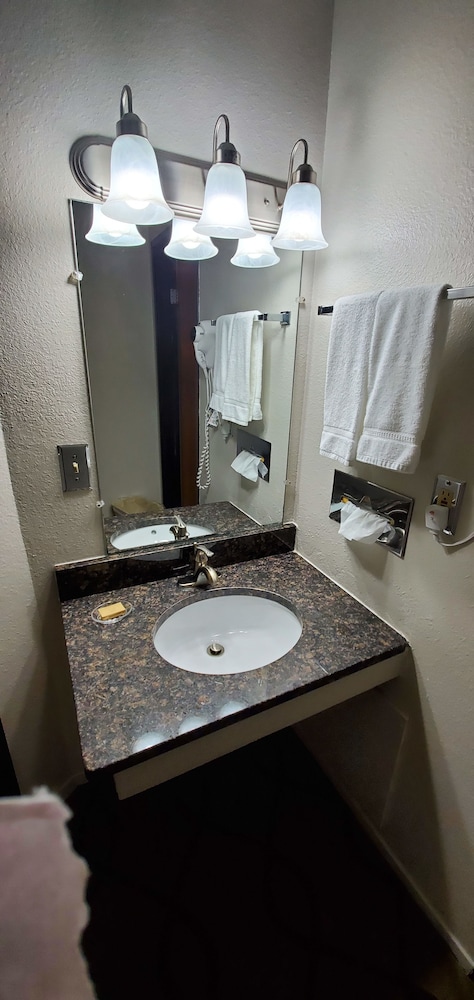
(110, 621)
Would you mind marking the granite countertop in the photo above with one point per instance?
(131, 704)
(221, 518)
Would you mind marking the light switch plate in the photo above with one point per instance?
(448, 493)
(74, 466)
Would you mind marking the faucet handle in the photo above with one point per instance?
(179, 530)
(199, 547)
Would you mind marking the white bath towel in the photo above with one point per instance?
(408, 339)
(238, 367)
(346, 375)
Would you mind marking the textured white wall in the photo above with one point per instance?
(398, 208)
(28, 700)
(63, 66)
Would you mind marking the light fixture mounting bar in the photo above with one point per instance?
(183, 180)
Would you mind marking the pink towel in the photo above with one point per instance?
(42, 909)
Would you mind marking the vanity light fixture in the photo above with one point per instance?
(225, 212)
(135, 187)
(255, 252)
(300, 226)
(186, 244)
(111, 232)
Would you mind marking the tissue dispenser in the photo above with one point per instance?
(256, 446)
(396, 508)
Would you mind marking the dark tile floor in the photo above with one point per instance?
(248, 878)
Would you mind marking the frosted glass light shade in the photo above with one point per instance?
(186, 244)
(135, 187)
(225, 212)
(300, 226)
(256, 252)
(111, 232)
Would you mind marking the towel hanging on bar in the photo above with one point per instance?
(384, 355)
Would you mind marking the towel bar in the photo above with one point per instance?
(283, 317)
(452, 293)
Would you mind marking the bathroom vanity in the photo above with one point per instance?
(222, 519)
(144, 720)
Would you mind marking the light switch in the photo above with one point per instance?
(74, 465)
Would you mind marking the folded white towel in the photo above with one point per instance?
(408, 339)
(346, 375)
(238, 367)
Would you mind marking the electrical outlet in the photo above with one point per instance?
(448, 493)
(445, 498)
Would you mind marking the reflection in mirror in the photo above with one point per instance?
(149, 395)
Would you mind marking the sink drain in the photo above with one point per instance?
(215, 649)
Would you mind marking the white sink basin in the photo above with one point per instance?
(154, 534)
(227, 632)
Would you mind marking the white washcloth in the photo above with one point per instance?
(346, 375)
(408, 339)
(238, 367)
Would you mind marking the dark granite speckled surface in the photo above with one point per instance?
(223, 519)
(127, 696)
(104, 573)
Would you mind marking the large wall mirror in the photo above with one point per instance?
(139, 310)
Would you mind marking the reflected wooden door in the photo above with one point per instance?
(176, 296)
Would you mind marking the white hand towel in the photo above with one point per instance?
(346, 375)
(238, 367)
(408, 339)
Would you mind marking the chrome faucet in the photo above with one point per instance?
(203, 574)
(179, 529)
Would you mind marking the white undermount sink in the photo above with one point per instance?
(154, 534)
(227, 632)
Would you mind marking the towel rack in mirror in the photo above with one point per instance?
(283, 317)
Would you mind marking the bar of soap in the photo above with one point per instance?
(111, 611)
